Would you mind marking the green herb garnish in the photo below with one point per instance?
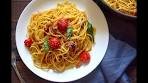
(69, 32)
(90, 31)
(46, 45)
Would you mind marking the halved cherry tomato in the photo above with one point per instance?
(28, 42)
(84, 57)
(54, 42)
(62, 25)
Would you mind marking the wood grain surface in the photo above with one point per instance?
(119, 27)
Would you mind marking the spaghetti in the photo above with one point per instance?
(124, 6)
(60, 38)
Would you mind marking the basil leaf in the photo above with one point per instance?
(69, 32)
(90, 30)
(46, 45)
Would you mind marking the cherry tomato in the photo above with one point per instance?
(54, 43)
(62, 25)
(84, 57)
(28, 42)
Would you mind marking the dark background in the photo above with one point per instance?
(120, 27)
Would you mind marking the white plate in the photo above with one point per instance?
(95, 16)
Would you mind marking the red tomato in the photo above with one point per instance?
(28, 42)
(62, 25)
(54, 43)
(84, 57)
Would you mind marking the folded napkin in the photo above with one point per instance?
(112, 68)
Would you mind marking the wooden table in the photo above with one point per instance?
(119, 27)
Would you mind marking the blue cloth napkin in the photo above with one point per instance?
(112, 68)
